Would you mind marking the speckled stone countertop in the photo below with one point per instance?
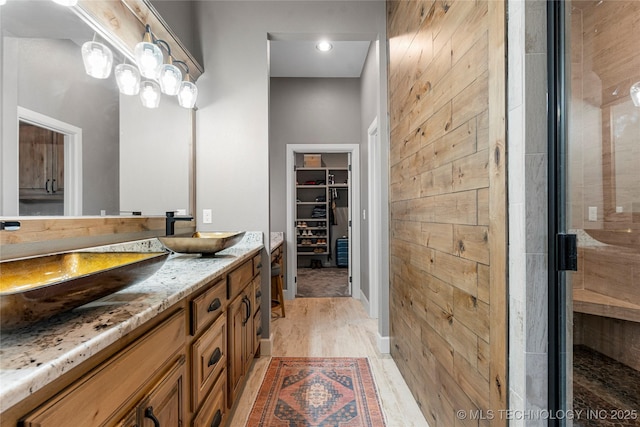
(277, 237)
(32, 357)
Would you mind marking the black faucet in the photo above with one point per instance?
(9, 225)
(171, 219)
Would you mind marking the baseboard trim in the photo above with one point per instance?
(266, 344)
(384, 344)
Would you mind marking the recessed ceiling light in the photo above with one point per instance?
(324, 46)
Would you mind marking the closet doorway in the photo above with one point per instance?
(323, 238)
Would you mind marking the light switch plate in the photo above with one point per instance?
(593, 213)
(206, 216)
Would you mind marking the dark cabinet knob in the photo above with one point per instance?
(215, 304)
(215, 357)
(217, 419)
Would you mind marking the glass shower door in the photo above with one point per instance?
(600, 315)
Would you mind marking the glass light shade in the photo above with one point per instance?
(67, 2)
(188, 94)
(324, 46)
(634, 92)
(150, 94)
(169, 77)
(128, 79)
(3, 2)
(149, 58)
(97, 59)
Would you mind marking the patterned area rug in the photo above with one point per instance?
(322, 282)
(317, 392)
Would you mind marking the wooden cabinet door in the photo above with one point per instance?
(236, 319)
(248, 332)
(35, 156)
(165, 405)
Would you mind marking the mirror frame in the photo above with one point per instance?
(122, 23)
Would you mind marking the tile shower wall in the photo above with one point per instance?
(527, 148)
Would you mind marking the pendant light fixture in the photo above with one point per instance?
(150, 94)
(161, 77)
(169, 76)
(188, 91)
(128, 79)
(148, 55)
(97, 59)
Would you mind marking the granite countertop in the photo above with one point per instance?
(277, 237)
(32, 357)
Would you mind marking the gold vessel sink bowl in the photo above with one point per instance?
(34, 289)
(207, 243)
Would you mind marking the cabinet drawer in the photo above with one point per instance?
(256, 292)
(99, 394)
(257, 264)
(276, 254)
(209, 305)
(239, 278)
(213, 412)
(209, 358)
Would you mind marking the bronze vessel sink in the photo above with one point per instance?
(34, 289)
(202, 242)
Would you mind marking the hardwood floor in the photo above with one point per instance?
(333, 327)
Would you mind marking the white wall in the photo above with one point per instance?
(233, 116)
(307, 111)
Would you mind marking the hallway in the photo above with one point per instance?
(333, 327)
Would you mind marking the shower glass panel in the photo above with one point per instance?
(603, 210)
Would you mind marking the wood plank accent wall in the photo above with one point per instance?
(448, 246)
(38, 236)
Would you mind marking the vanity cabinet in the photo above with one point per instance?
(183, 368)
(242, 324)
(137, 374)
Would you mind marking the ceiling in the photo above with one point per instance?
(300, 58)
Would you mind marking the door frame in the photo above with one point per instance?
(375, 189)
(354, 187)
(72, 156)
(559, 341)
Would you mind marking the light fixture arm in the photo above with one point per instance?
(185, 66)
(165, 45)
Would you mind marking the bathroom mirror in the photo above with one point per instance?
(118, 157)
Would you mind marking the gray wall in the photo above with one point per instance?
(68, 88)
(233, 116)
(370, 99)
(180, 16)
(154, 159)
(307, 111)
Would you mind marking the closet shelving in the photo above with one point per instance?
(314, 190)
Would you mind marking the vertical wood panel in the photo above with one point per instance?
(450, 282)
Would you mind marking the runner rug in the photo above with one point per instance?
(317, 392)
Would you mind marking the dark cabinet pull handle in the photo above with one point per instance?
(46, 186)
(216, 304)
(148, 413)
(259, 265)
(258, 294)
(217, 418)
(215, 357)
(53, 186)
(259, 331)
(247, 303)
